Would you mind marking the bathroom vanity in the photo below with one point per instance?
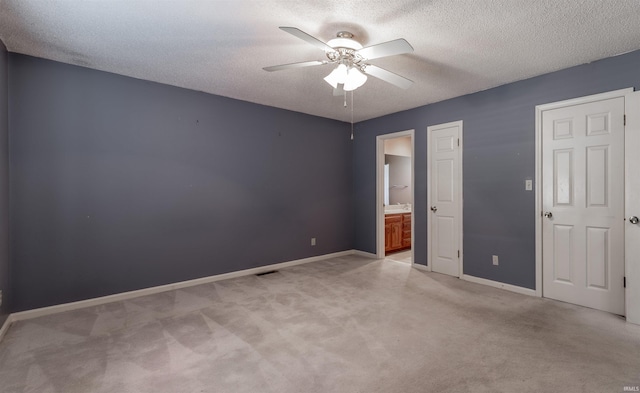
(397, 231)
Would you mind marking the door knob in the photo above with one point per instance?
(434, 209)
(634, 220)
(548, 214)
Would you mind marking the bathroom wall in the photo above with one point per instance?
(400, 190)
(398, 146)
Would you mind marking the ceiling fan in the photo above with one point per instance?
(351, 59)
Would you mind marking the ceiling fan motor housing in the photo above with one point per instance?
(344, 50)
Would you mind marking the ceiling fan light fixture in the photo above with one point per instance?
(331, 81)
(337, 76)
(355, 79)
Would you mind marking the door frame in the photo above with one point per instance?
(632, 306)
(632, 197)
(430, 129)
(380, 253)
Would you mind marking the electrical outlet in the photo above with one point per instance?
(313, 241)
(494, 258)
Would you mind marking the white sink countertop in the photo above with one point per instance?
(396, 210)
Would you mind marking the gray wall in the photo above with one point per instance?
(499, 154)
(4, 184)
(119, 184)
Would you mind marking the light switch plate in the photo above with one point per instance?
(528, 185)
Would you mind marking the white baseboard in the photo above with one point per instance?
(420, 267)
(497, 284)
(365, 254)
(5, 326)
(39, 312)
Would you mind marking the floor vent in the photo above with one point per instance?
(265, 273)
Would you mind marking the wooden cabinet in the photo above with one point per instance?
(397, 232)
(406, 230)
(392, 232)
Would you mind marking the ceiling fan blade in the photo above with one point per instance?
(388, 76)
(306, 37)
(294, 65)
(389, 48)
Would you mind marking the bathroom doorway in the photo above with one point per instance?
(395, 196)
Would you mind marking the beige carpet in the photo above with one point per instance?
(341, 325)
(400, 256)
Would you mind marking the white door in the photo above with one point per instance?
(632, 206)
(583, 204)
(445, 190)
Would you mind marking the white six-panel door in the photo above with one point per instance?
(583, 204)
(445, 198)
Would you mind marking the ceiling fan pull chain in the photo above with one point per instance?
(351, 112)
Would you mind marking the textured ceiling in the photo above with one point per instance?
(220, 47)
